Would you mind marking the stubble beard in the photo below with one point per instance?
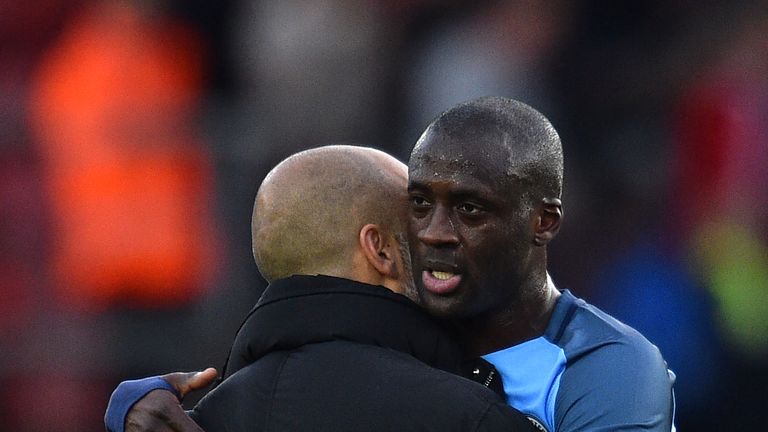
(409, 286)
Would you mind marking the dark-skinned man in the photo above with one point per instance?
(485, 181)
(334, 344)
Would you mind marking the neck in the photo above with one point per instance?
(525, 319)
(362, 271)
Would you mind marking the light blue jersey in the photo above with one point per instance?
(588, 372)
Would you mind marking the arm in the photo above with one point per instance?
(618, 387)
(502, 417)
(153, 404)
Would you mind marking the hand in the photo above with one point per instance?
(161, 411)
(185, 382)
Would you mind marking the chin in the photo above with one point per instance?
(441, 306)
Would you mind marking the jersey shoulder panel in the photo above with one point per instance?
(614, 378)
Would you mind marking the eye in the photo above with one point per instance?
(469, 208)
(418, 201)
(419, 206)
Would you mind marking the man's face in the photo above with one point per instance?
(468, 227)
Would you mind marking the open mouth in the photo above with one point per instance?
(440, 282)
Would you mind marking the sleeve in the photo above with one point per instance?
(502, 417)
(243, 400)
(125, 397)
(222, 407)
(622, 386)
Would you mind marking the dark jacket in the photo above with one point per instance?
(328, 354)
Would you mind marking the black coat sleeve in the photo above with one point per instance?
(501, 417)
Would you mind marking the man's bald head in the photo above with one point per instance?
(311, 207)
(532, 153)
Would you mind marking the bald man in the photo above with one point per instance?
(485, 182)
(334, 344)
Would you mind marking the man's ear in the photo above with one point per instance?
(547, 222)
(378, 251)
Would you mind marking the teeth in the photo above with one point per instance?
(441, 275)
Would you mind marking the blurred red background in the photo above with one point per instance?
(135, 133)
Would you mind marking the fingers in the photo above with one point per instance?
(185, 382)
(159, 411)
(203, 379)
(179, 421)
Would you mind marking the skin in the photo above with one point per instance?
(308, 219)
(483, 203)
(350, 227)
(160, 410)
(475, 216)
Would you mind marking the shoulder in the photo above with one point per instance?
(589, 332)
(231, 402)
(614, 378)
(343, 385)
(500, 416)
(379, 380)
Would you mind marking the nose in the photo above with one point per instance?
(439, 230)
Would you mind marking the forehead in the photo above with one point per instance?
(484, 163)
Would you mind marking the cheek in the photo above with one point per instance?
(488, 240)
(413, 227)
(494, 254)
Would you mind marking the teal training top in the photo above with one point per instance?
(588, 372)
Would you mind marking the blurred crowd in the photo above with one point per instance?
(134, 133)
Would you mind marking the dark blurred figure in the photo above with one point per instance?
(126, 187)
(37, 392)
(721, 155)
(302, 74)
(655, 118)
(498, 48)
(311, 73)
(24, 34)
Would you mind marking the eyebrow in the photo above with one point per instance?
(415, 185)
(458, 192)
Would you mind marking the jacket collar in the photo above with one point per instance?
(308, 309)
